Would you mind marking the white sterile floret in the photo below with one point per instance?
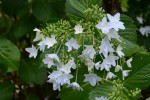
(38, 35)
(53, 78)
(91, 78)
(101, 98)
(103, 25)
(89, 51)
(113, 34)
(97, 65)
(125, 73)
(64, 79)
(118, 68)
(33, 51)
(108, 62)
(59, 78)
(106, 47)
(67, 68)
(50, 58)
(48, 61)
(129, 62)
(78, 29)
(145, 30)
(75, 86)
(49, 42)
(110, 75)
(119, 51)
(54, 57)
(42, 45)
(72, 43)
(139, 19)
(115, 21)
(90, 65)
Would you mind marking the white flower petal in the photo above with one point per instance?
(78, 29)
(33, 51)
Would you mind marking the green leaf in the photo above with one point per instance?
(131, 48)
(101, 90)
(6, 91)
(9, 55)
(130, 29)
(30, 72)
(68, 93)
(75, 8)
(129, 35)
(42, 10)
(139, 77)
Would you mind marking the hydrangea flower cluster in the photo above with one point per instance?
(92, 45)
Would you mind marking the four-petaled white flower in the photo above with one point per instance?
(90, 65)
(72, 43)
(49, 42)
(75, 86)
(59, 78)
(101, 98)
(50, 59)
(110, 75)
(78, 29)
(91, 78)
(106, 47)
(119, 51)
(108, 62)
(103, 25)
(33, 51)
(125, 73)
(113, 34)
(129, 62)
(115, 21)
(89, 52)
(67, 68)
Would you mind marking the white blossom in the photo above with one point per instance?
(101, 98)
(90, 65)
(110, 75)
(59, 78)
(33, 51)
(106, 47)
(113, 34)
(125, 73)
(115, 21)
(89, 51)
(48, 61)
(91, 78)
(78, 29)
(119, 51)
(53, 78)
(97, 65)
(67, 68)
(118, 68)
(75, 86)
(103, 25)
(129, 62)
(54, 57)
(38, 35)
(72, 43)
(49, 42)
(108, 62)
(139, 19)
(145, 30)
